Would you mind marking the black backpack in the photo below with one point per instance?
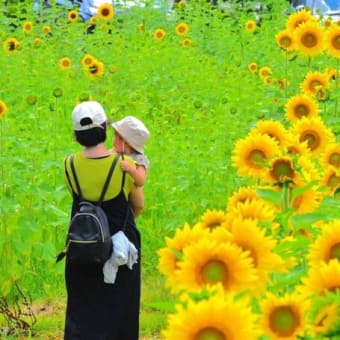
(88, 238)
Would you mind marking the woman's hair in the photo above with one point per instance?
(91, 137)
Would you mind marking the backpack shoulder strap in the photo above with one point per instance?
(66, 172)
(108, 178)
(80, 194)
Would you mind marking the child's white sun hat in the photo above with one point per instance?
(133, 131)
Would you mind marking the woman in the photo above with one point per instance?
(97, 310)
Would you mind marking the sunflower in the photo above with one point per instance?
(181, 4)
(283, 317)
(282, 83)
(265, 71)
(314, 132)
(309, 38)
(252, 67)
(221, 316)
(322, 279)
(251, 154)
(11, 45)
(46, 29)
(281, 170)
(285, 40)
(36, 42)
(325, 318)
(250, 26)
(328, 22)
(331, 156)
(313, 81)
(272, 128)
(88, 60)
(65, 63)
(331, 179)
(242, 195)
(212, 219)
(306, 202)
(3, 109)
(159, 34)
(105, 12)
(259, 210)
(186, 42)
(267, 81)
(327, 245)
(308, 169)
(248, 236)
(321, 93)
(84, 97)
(171, 255)
(27, 26)
(293, 145)
(73, 15)
(93, 20)
(208, 262)
(182, 29)
(301, 106)
(297, 18)
(332, 41)
(141, 27)
(96, 69)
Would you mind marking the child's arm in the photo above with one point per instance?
(138, 173)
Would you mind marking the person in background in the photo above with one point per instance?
(130, 137)
(97, 310)
(89, 8)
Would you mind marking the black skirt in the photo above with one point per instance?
(100, 311)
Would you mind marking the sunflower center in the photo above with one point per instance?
(283, 321)
(333, 181)
(285, 41)
(11, 46)
(214, 271)
(105, 12)
(336, 42)
(334, 159)
(302, 110)
(282, 170)
(210, 333)
(314, 85)
(309, 40)
(312, 139)
(93, 69)
(257, 157)
(335, 251)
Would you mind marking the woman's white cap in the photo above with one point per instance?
(91, 110)
(133, 131)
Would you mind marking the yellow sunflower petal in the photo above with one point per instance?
(219, 317)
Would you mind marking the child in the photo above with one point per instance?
(130, 137)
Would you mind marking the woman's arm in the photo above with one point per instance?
(137, 200)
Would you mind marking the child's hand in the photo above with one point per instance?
(126, 166)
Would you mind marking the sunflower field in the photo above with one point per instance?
(241, 228)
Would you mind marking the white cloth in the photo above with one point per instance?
(124, 253)
(89, 8)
